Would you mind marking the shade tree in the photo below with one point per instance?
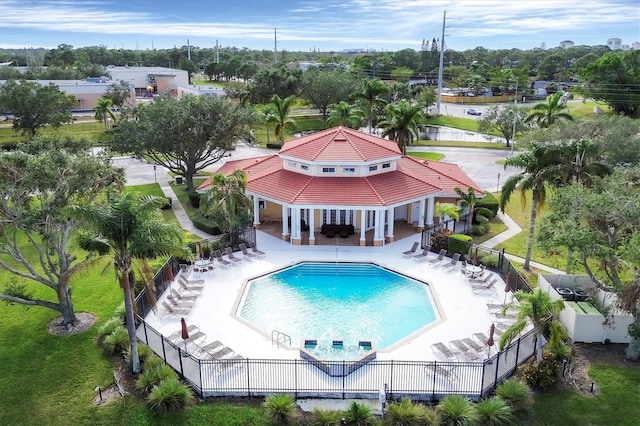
(508, 120)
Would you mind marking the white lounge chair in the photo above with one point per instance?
(230, 256)
(441, 348)
(438, 259)
(438, 370)
(412, 250)
(174, 310)
(454, 262)
(459, 346)
(255, 250)
(423, 256)
(483, 287)
(218, 255)
(484, 279)
(246, 253)
(185, 296)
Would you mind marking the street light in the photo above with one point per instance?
(155, 178)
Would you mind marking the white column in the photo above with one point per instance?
(363, 225)
(256, 210)
(295, 223)
(430, 210)
(312, 224)
(285, 221)
(422, 213)
(390, 222)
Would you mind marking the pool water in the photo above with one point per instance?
(338, 301)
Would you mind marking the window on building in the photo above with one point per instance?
(348, 170)
(304, 167)
(328, 170)
(386, 165)
(293, 164)
(373, 168)
(262, 204)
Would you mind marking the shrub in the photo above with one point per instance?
(280, 408)
(360, 415)
(405, 413)
(432, 416)
(273, 145)
(460, 243)
(516, 393)
(495, 411)
(542, 376)
(490, 202)
(151, 362)
(194, 199)
(121, 312)
(457, 410)
(109, 327)
(153, 376)
(116, 341)
(490, 260)
(325, 417)
(480, 229)
(205, 224)
(439, 241)
(481, 220)
(169, 395)
(485, 213)
(144, 353)
(167, 204)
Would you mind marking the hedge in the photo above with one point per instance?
(489, 201)
(460, 243)
(204, 224)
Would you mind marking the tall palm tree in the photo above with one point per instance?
(531, 308)
(539, 168)
(545, 114)
(127, 227)
(226, 202)
(372, 96)
(344, 114)
(402, 123)
(281, 115)
(468, 201)
(103, 111)
(447, 209)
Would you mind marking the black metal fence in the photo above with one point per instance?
(418, 380)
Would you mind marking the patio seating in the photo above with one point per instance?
(423, 256)
(438, 259)
(218, 255)
(481, 280)
(174, 310)
(454, 261)
(438, 370)
(230, 256)
(234, 361)
(184, 296)
(246, 253)
(464, 349)
(178, 334)
(221, 353)
(180, 303)
(488, 286)
(441, 348)
(186, 286)
(482, 338)
(480, 350)
(190, 282)
(254, 250)
(412, 250)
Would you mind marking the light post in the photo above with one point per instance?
(498, 185)
(155, 178)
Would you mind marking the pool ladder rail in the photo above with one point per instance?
(278, 337)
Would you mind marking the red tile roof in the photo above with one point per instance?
(413, 178)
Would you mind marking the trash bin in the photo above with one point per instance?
(178, 180)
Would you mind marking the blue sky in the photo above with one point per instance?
(320, 24)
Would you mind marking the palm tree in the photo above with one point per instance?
(531, 308)
(344, 114)
(468, 201)
(447, 209)
(103, 111)
(545, 114)
(267, 116)
(402, 123)
(539, 167)
(226, 202)
(281, 111)
(372, 96)
(127, 227)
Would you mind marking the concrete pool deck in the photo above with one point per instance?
(463, 312)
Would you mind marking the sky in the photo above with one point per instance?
(324, 25)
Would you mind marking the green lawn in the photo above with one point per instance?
(87, 128)
(461, 123)
(434, 156)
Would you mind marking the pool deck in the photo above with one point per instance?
(462, 312)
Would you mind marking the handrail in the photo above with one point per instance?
(278, 337)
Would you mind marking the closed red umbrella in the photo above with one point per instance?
(168, 272)
(475, 256)
(185, 332)
(507, 288)
(200, 252)
(490, 341)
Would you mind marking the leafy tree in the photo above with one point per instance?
(601, 224)
(189, 66)
(36, 232)
(281, 109)
(119, 93)
(545, 114)
(468, 201)
(226, 202)
(538, 164)
(402, 123)
(615, 80)
(426, 96)
(401, 74)
(447, 209)
(282, 81)
(184, 135)
(102, 111)
(323, 88)
(508, 120)
(35, 106)
(344, 114)
(371, 95)
(128, 227)
(531, 308)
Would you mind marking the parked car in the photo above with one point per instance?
(473, 111)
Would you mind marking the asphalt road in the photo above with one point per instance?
(479, 164)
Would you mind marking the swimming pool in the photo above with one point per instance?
(351, 302)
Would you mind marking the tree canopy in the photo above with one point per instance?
(37, 183)
(35, 106)
(508, 120)
(184, 135)
(323, 88)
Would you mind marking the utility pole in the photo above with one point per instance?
(188, 50)
(275, 47)
(444, 20)
(515, 117)
(217, 52)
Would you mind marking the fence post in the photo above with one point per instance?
(391, 380)
(144, 327)
(344, 376)
(164, 352)
(518, 350)
(433, 391)
(248, 383)
(484, 369)
(201, 384)
(495, 379)
(180, 358)
(295, 378)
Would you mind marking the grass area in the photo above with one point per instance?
(434, 156)
(461, 123)
(81, 127)
(497, 227)
(586, 109)
(462, 144)
(617, 403)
